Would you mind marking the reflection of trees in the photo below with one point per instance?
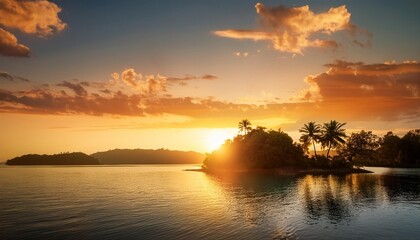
(264, 202)
(402, 187)
(278, 202)
(256, 194)
(338, 198)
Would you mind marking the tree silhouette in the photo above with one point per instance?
(360, 147)
(244, 126)
(332, 135)
(311, 134)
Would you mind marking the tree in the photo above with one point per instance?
(311, 134)
(332, 135)
(360, 146)
(244, 126)
(410, 148)
(389, 151)
(258, 149)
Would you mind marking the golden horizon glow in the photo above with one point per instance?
(216, 138)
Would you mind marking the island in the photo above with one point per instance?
(148, 156)
(265, 150)
(75, 158)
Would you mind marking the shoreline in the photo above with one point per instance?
(282, 171)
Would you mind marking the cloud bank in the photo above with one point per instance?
(346, 91)
(293, 29)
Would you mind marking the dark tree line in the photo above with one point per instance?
(261, 148)
(365, 148)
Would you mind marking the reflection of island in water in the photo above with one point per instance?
(277, 201)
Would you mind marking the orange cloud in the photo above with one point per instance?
(358, 91)
(9, 45)
(292, 29)
(152, 84)
(38, 17)
(129, 76)
(369, 81)
(33, 17)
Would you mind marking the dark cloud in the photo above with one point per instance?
(77, 88)
(10, 47)
(11, 78)
(48, 102)
(183, 81)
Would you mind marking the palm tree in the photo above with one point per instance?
(244, 126)
(311, 134)
(332, 135)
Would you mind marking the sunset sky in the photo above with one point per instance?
(96, 75)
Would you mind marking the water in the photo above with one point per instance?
(164, 202)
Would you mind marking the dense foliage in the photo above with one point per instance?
(76, 158)
(390, 150)
(259, 148)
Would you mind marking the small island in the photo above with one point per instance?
(75, 158)
(265, 150)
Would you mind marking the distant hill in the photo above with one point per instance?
(148, 156)
(76, 158)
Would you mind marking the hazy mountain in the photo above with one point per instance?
(148, 156)
(76, 158)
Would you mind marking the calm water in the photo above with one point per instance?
(163, 202)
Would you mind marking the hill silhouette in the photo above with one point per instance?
(148, 156)
(76, 158)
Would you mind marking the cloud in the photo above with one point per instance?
(39, 17)
(209, 77)
(345, 91)
(32, 17)
(293, 29)
(46, 101)
(9, 45)
(77, 88)
(12, 78)
(369, 81)
(183, 80)
(355, 90)
(129, 76)
(153, 85)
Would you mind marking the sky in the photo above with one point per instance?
(96, 75)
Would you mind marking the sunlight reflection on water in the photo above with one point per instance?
(164, 202)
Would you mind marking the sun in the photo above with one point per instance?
(216, 138)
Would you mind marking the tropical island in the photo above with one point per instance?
(262, 149)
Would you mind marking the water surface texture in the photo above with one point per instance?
(164, 202)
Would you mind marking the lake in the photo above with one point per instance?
(164, 202)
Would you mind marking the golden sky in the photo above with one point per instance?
(84, 77)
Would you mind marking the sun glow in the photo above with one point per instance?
(216, 138)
